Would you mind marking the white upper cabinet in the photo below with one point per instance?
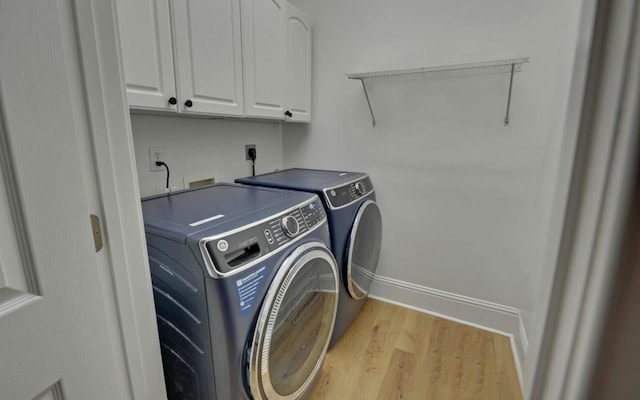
(204, 47)
(217, 57)
(298, 76)
(208, 52)
(147, 56)
(264, 32)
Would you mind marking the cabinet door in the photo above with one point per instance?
(298, 78)
(145, 41)
(208, 55)
(264, 50)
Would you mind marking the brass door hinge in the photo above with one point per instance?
(97, 232)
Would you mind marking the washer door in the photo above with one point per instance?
(295, 324)
(363, 250)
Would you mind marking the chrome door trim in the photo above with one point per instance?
(353, 292)
(259, 374)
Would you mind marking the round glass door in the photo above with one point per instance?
(363, 250)
(295, 325)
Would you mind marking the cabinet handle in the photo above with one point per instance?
(173, 101)
(188, 103)
(288, 114)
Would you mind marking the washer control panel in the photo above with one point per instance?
(243, 246)
(313, 213)
(343, 195)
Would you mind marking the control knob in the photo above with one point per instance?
(290, 226)
(360, 188)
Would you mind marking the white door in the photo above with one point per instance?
(56, 326)
(298, 76)
(264, 49)
(208, 56)
(147, 57)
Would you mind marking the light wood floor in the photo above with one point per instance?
(393, 353)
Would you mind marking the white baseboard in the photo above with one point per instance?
(466, 310)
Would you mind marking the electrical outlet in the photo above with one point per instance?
(246, 150)
(156, 154)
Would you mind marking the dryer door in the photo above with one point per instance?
(363, 249)
(295, 324)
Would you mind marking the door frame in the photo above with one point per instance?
(591, 229)
(605, 103)
(114, 157)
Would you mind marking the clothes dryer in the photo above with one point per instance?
(245, 288)
(355, 226)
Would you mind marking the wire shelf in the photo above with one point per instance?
(504, 65)
(510, 65)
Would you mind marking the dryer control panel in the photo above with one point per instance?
(248, 245)
(343, 195)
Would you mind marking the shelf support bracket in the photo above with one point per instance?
(366, 95)
(506, 118)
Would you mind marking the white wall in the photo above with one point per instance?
(196, 147)
(466, 201)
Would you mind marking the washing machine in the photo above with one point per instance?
(245, 288)
(355, 226)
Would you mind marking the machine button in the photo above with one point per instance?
(290, 226)
(268, 236)
(222, 245)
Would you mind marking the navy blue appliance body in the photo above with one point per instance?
(205, 323)
(336, 190)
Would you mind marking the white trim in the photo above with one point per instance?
(558, 199)
(599, 202)
(119, 195)
(601, 197)
(523, 340)
(492, 317)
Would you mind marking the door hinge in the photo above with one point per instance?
(96, 231)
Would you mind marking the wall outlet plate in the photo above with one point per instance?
(246, 150)
(156, 154)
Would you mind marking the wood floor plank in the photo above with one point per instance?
(416, 333)
(345, 362)
(396, 382)
(378, 343)
(395, 353)
(508, 377)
